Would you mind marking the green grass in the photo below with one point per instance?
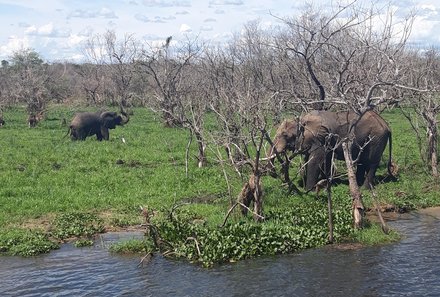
(41, 172)
(373, 235)
(44, 176)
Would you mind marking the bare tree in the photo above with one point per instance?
(120, 67)
(353, 62)
(241, 81)
(109, 71)
(424, 100)
(28, 81)
(172, 72)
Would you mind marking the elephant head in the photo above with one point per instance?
(111, 119)
(284, 141)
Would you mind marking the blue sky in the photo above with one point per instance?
(56, 28)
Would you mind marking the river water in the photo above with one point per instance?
(410, 267)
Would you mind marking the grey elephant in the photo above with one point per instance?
(96, 123)
(315, 135)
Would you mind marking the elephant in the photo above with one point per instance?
(96, 123)
(316, 134)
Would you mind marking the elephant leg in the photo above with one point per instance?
(371, 173)
(104, 133)
(315, 167)
(375, 155)
(80, 135)
(360, 173)
(99, 136)
(303, 172)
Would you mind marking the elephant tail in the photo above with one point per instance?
(390, 165)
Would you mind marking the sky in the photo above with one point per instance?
(56, 29)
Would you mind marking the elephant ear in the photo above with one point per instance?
(109, 119)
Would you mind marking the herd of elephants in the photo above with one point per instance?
(316, 135)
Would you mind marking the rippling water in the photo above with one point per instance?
(408, 268)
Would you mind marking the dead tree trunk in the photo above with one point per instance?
(330, 211)
(252, 192)
(357, 205)
(431, 120)
(202, 150)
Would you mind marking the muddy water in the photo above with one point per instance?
(408, 268)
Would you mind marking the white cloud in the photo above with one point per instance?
(23, 25)
(167, 3)
(75, 58)
(48, 30)
(75, 40)
(31, 30)
(14, 44)
(156, 19)
(422, 31)
(206, 28)
(86, 32)
(88, 14)
(428, 7)
(184, 28)
(226, 2)
(80, 13)
(107, 13)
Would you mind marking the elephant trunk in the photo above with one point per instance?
(270, 166)
(125, 116)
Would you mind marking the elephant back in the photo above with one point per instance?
(84, 118)
(371, 123)
(322, 122)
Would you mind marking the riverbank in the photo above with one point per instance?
(407, 267)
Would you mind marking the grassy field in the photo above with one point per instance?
(43, 175)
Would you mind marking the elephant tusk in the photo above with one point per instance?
(268, 158)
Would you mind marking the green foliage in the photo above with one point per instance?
(124, 221)
(83, 242)
(284, 231)
(20, 242)
(26, 58)
(373, 235)
(133, 246)
(76, 225)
